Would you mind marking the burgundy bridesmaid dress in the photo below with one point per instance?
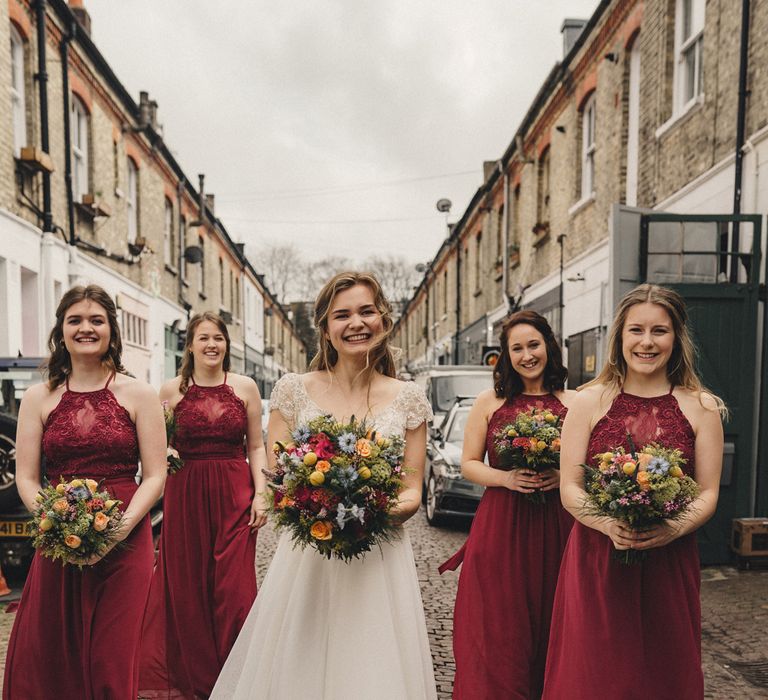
(76, 633)
(507, 583)
(205, 579)
(629, 632)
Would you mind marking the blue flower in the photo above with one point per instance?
(301, 434)
(347, 442)
(658, 465)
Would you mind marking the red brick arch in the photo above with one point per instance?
(78, 87)
(19, 19)
(585, 88)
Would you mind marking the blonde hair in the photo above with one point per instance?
(681, 368)
(380, 356)
(188, 361)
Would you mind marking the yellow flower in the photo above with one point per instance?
(310, 459)
(61, 488)
(364, 473)
(676, 471)
(108, 505)
(550, 417)
(629, 468)
(76, 483)
(316, 478)
(92, 485)
(321, 530)
(72, 541)
(100, 522)
(511, 432)
(541, 446)
(363, 448)
(46, 524)
(382, 442)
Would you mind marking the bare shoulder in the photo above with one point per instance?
(240, 381)
(591, 402)
(487, 403)
(133, 388)
(566, 396)
(170, 389)
(315, 379)
(37, 394)
(699, 407)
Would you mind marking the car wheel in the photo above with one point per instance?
(9, 496)
(432, 504)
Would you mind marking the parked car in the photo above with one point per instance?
(447, 492)
(443, 384)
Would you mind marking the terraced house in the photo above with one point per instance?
(642, 158)
(90, 192)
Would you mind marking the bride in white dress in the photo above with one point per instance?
(324, 629)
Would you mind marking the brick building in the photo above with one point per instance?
(640, 114)
(90, 192)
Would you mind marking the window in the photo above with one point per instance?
(689, 40)
(169, 245)
(232, 292)
(221, 281)
(132, 201)
(18, 104)
(633, 124)
(500, 234)
(201, 278)
(237, 297)
(588, 148)
(478, 260)
(78, 126)
(134, 329)
(183, 242)
(445, 291)
(542, 214)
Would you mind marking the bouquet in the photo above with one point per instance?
(531, 442)
(175, 463)
(75, 521)
(643, 488)
(334, 485)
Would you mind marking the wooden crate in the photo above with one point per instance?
(749, 537)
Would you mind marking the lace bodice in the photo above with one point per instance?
(655, 419)
(508, 411)
(211, 422)
(408, 410)
(90, 435)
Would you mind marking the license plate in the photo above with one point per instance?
(15, 528)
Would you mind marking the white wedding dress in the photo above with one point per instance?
(326, 630)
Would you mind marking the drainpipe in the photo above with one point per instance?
(42, 78)
(182, 243)
(64, 49)
(741, 118)
(457, 341)
(505, 238)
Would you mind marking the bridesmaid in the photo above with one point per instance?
(76, 633)
(512, 556)
(621, 631)
(205, 580)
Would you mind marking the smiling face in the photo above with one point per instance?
(86, 329)
(209, 346)
(527, 351)
(354, 322)
(647, 339)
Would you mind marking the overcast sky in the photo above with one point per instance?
(336, 124)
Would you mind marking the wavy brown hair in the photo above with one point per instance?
(188, 361)
(681, 368)
(506, 381)
(380, 356)
(58, 366)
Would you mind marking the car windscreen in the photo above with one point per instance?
(446, 389)
(456, 431)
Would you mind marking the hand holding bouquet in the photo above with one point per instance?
(642, 488)
(334, 485)
(531, 442)
(76, 520)
(175, 463)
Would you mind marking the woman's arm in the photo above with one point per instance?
(29, 436)
(472, 466)
(257, 456)
(414, 457)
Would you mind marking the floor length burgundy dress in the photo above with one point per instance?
(631, 632)
(507, 583)
(205, 579)
(76, 633)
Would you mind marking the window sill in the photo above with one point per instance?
(202, 296)
(172, 270)
(691, 108)
(498, 277)
(477, 292)
(185, 283)
(581, 204)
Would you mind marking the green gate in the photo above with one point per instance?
(714, 263)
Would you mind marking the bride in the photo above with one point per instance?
(324, 629)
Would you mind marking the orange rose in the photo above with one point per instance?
(323, 465)
(285, 502)
(321, 530)
(643, 480)
(100, 522)
(363, 448)
(643, 460)
(72, 541)
(61, 505)
(556, 445)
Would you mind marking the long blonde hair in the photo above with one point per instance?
(380, 356)
(188, 361)
(681, 368)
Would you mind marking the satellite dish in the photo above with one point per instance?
(444, 205)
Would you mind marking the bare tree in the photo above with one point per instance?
(282, 268)
(316, 274)
(398, 277)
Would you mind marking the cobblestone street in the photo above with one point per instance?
(734, 612)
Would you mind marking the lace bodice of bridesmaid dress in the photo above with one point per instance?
(408, 410)
(211, 422)
(654, 419)
(90, 434)
(507, 413)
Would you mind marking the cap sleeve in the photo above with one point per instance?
(284, 397)
(416, 405)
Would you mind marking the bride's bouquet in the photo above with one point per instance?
(334, 485)
(531, 442)
(75, 520)
(641, 487)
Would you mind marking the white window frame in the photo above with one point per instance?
(132, 202)
(588, 120)
(168, 233)
(689, 50)
(18, 92)
(78, 123)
